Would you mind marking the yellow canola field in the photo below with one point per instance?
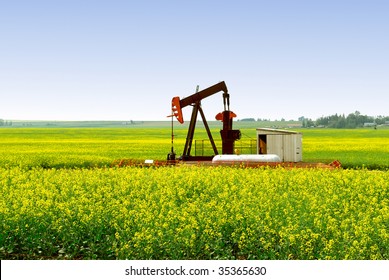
(193, 213)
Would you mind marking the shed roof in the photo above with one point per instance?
(276, 131)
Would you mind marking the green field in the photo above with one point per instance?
(100, 146)
(61, 197)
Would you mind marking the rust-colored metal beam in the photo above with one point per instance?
(178, 104)
(198, 96)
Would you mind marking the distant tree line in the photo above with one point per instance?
(352, 120)
(5, 123)
(247, 120)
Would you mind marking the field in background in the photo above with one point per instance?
(100, 146)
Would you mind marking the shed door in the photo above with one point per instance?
(262, 144)
(275, 145)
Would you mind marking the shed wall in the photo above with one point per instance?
(287, 145)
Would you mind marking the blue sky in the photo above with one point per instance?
(125, 60)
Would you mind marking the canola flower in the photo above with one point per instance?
(193, 213)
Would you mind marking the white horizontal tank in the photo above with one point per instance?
(245, 158)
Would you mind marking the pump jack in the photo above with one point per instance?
(228, 135)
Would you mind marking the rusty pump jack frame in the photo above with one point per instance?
(228, 135)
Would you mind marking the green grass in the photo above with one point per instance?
(90, 147)
(80, 147)
(355, 148)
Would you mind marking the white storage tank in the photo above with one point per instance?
(245, 158)
(284, 143)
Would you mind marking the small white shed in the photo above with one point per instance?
(284, 143)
